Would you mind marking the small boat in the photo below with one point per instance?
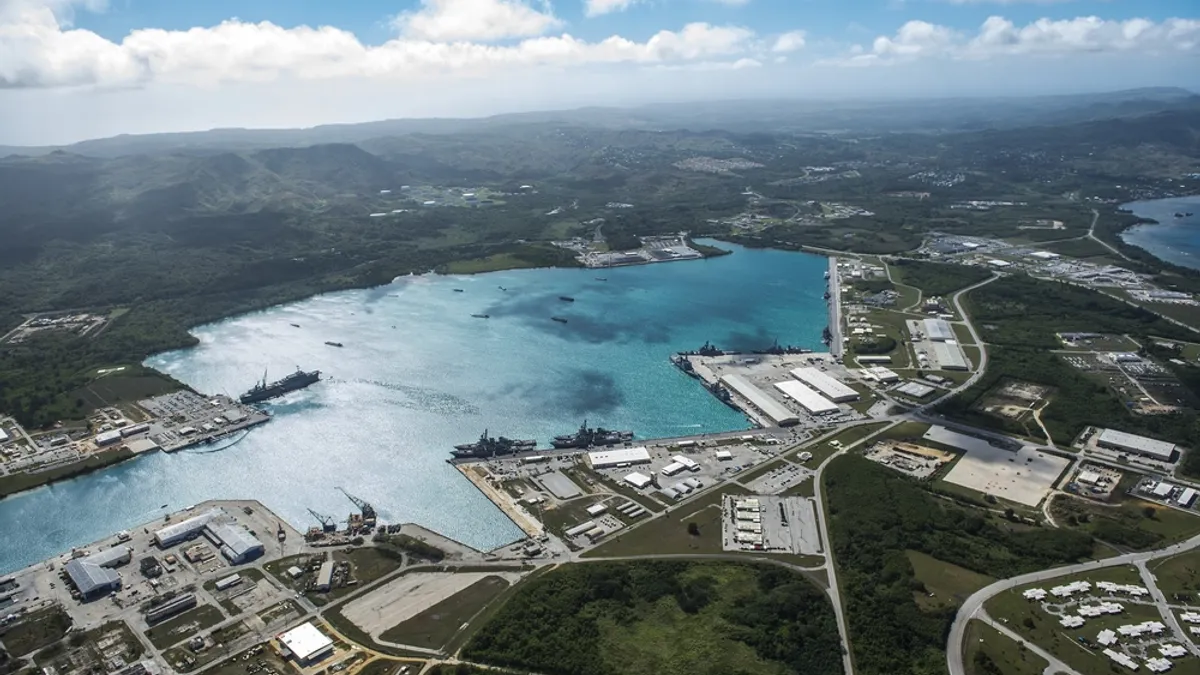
(502, 288)
(558, 319)
(295, 325)
(481, 316)
(601, 278)
(566, 298)
(458, 290)
(163, 506)
(334, 344)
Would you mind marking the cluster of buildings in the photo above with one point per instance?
(95, 575)
(747, 514)
(814, 390)
(943, 346)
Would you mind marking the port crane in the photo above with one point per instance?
(328, 524)
(367, 518)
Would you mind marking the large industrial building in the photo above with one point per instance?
(93, 575)
(306, 644)
(808, 399)
(949, 356)
(1137, 445)
(603, 459)
(826, 384)
(938, 330)
(774, 410)
(234, 541)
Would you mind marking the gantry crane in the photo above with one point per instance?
(367, 511)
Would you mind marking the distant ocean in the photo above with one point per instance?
(419, 374)
(1175, 240)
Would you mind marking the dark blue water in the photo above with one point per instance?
(418, 374)
(1175, 240)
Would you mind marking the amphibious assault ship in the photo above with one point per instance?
(586, 438)
(263, 391)
(487, 446)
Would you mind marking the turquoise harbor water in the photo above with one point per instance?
(418, 374)
(1175, 240)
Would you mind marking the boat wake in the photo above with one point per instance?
(209, 450)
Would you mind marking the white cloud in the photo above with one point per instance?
(998, 36)
(598, 7)
(789, 42)
(440, 20)
(601, 7)
(37, 51)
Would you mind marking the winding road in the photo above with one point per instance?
(973, 607)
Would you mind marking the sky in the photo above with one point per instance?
(77, 69)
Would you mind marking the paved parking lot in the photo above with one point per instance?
(786, 525)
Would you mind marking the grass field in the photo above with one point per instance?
(946, 585)
(962, 334)
(1127, 525)
(40, 628)
(231, 609)
(117, 388)
(668, 534)
(847, 437)
(1031, 622)
(250, 666)
(1178, 574)
(436, 626)
(183, 626)
(1011, 657)
(972, 354)
(185, 660)
(581, 474)
(565, 516)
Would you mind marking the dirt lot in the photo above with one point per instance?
(407, 596)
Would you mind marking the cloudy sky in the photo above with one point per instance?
(75, 69)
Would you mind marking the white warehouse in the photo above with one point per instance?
(938, 330)
(826, 384)
(774, 410)
(809, 399)
(603, 459)
(1138, 445)
(949, 356)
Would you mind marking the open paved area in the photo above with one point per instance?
(770, 523)
(408, 596)
(1024, 476)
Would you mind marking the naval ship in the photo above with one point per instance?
(586, 438)
(263, 391)
(487, 446)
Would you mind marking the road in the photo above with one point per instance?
(1092, 235)
(973, 607)
(835, 309)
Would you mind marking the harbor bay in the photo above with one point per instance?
(1175, 237)
(429, 362)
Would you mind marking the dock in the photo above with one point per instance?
(479, 477)
(835, 309)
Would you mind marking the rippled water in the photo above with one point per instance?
(1176, 240)
(418, 374)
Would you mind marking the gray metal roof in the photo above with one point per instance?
(236, 538)
(89, 577)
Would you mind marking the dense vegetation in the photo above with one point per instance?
(664, 618)
(937, 278)
(876, 515)
(1019, 316)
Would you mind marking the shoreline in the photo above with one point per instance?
(1149, 222)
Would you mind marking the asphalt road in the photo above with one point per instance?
(973, 607)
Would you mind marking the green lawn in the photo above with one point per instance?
(1127, 525)
(949, 584)
(565, 516)
(1178, 574)
(668, 534)
(1031, 622)
(38, 629)
(228, 604)
(847, 437)
(580, 475)
(183, 626)
(983, 644)
(962, 334)
(436, 626)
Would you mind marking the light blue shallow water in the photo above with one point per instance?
(1176, 240)
(418, 374)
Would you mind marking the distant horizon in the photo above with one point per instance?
(91, 69)
(1193, 90)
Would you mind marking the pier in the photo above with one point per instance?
(835, 310)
